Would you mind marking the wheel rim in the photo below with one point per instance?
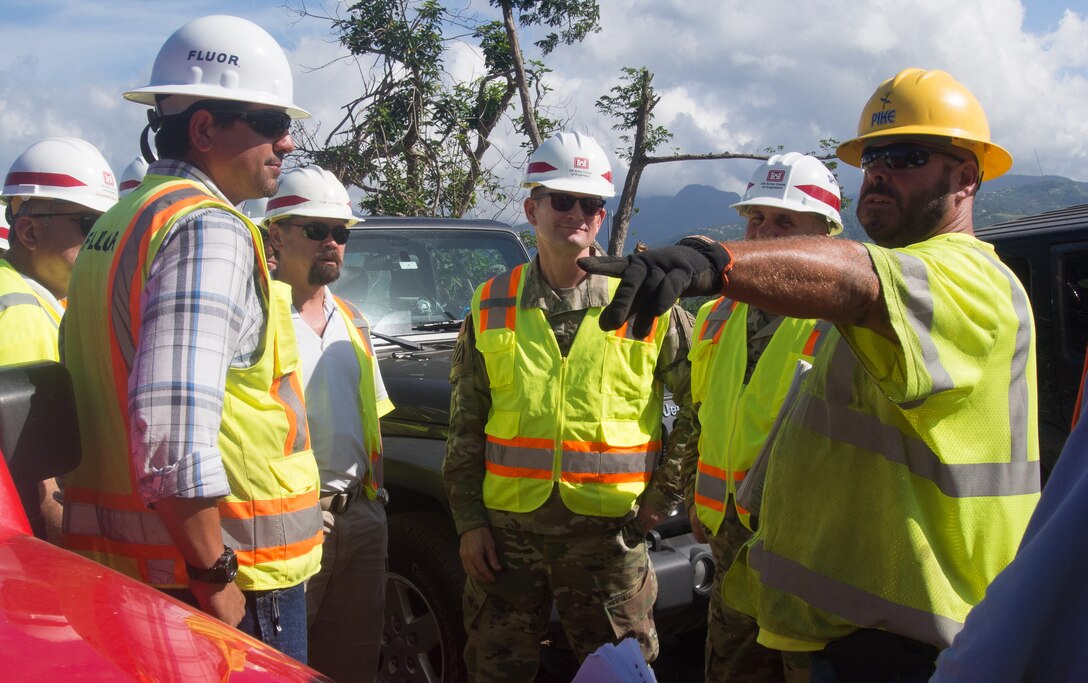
(412, 640)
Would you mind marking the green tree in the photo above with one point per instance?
(632, 104)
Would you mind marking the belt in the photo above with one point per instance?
(340, 502)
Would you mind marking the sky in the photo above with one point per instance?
(732, 75)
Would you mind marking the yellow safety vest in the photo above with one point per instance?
(590, 421)
(735, 417)
(904, 475)
(271, 516)
(371, 409)
(28, 324)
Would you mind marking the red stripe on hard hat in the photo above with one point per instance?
(817, 192)
(129, 184)
(280, 202)
(3, 233)
(51, 179)
(607, 176)
(541, 167)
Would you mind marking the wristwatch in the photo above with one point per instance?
(222, 572)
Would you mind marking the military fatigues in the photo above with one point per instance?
(596, 568)
(732, 653)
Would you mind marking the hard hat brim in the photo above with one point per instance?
(146, 95)
(994, 160)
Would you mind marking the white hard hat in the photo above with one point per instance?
(310, 191)
(4, 227)
(132, 176)
(796, 182)
(63, 168)
(220, 57)
(570, 162)
(254, 209)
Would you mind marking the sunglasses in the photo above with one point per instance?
(561, 201)
(319, 231)
(86, 220)
(898, 157)
(268, 122)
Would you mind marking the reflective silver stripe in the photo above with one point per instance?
(920, 317)
(272, 531)
(596, 462)
(23, 299)
(849, 602)
(962, 480)
(519, 457)
(712, 487)
(127, 526)
(1018, 380)
(129, 261)
(497, 301)
(822, 328)
(285, 391)
(716, 319)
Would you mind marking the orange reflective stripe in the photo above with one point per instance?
(597, 478)
(291, 551)
(720, 473)
(520, 472)
(706, 501)
(598, 447)
(714, 324)
(505, 304)
(810, 345)
(287, 391)
(626, 331)
(254, 508)
(117, 501)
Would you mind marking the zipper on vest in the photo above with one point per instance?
(557, 458)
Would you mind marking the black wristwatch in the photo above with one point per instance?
(222, 572)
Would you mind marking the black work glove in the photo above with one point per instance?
(653, 280)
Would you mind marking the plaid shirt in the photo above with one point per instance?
(202, 313)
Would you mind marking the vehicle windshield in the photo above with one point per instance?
(414, 279)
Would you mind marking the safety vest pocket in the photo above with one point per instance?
(627, 365)
(503, 424)
(498, 350)
(296, 473)
(623, 433)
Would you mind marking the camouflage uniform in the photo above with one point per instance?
(595, 568)
(732, 653)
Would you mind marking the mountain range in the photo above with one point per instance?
(701, 209)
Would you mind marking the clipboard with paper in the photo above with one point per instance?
(750, 491)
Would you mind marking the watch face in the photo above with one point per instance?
(224, 570)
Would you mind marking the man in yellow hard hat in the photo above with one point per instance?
(901, 478)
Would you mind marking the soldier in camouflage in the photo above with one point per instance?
(790, 195)
(595, 568)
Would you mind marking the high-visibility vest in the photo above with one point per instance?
(590, 421)
(898, 489)
(370, 408)
(735, 417)
(28, 324)
(271, 516)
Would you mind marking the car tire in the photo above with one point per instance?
(424, 634)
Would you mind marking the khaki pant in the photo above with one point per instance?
(346, 599)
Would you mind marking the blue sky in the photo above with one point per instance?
(733, 75)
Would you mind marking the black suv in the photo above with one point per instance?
(1049, 253)
(414, 278)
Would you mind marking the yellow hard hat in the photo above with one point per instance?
(916, 102)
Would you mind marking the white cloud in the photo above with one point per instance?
(732, 75)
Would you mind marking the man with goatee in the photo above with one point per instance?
(308, 221)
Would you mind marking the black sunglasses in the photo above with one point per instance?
(319, 231)
(268, 122)
(86, 220)
(561, 201)
(897, 157)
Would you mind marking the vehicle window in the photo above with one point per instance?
(1021, 267)
(1075, 303)
(411, 279)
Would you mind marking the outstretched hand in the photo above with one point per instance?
(653, 280)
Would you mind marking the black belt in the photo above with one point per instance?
(875, 655)
(340, 502)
